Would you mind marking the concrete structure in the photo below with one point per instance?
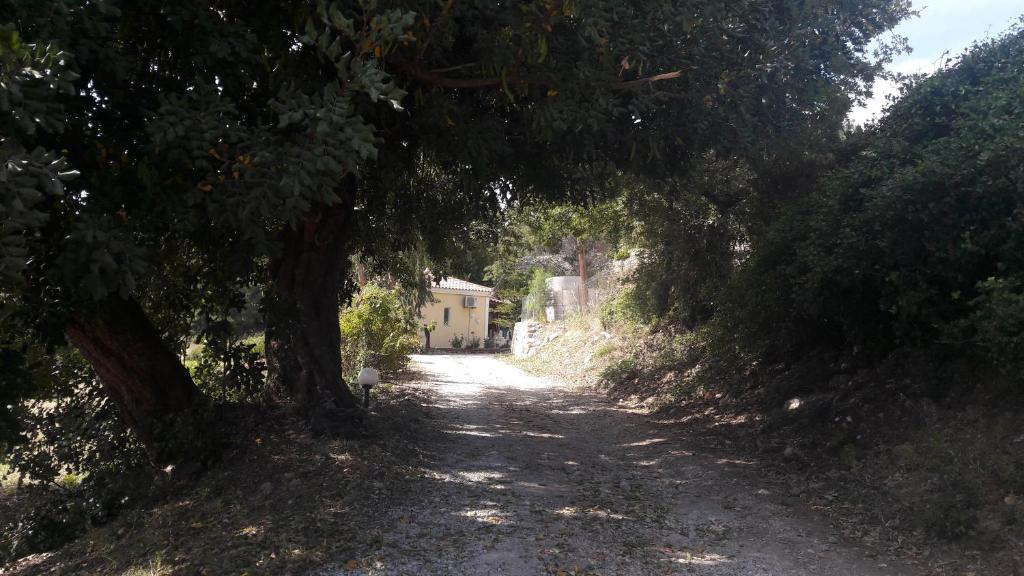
(460, 309)
(564, 294)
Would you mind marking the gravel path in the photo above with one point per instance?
(530, 477)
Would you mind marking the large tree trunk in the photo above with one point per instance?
(303, 336)
(155, 393)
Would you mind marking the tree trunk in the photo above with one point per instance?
(303, 338)
(582, 256)
(154, 392)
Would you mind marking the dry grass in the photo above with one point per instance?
(582, 341)
(155, 567)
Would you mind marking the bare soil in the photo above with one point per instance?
(471, 466)
(528, 476)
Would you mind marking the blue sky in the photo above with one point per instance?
(943, 26)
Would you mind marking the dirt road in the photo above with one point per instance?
(529, 477)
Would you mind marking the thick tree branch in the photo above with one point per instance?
(630, 84)
(435, 78)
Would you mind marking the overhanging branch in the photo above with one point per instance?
(630, 84)
(436, 78)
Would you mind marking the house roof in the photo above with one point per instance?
(458, 285)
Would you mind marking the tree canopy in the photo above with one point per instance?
(160, 158)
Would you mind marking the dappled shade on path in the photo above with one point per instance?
(529, 477)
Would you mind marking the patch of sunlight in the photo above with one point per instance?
(8, 479)
(571, 463)
(487, 515)
(700, 558)
(570, 411)
(472, 433)
(733, 461)
(250, 531)
(647, 463)
(70, 480)
(647, 442)
(469, 477)
(531, 485)
(540, 435)
(343, 457)
(156, 567)
(570, 511)
(599, 513)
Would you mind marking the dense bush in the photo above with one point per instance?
(15, 382)
(378, 329)
(917, 239)
(691, 233)
(230, 372)
(226, 368)
(77, 462)
(537, 296)
(626, 308)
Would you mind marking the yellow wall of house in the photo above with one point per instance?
(467, 322)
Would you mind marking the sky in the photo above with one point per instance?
(944, 28)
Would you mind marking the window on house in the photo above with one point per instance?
(447, 316)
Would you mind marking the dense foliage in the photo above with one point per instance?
(77, 462)
(915, 238)
(378, 329)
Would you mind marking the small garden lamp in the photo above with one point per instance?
(368, 378)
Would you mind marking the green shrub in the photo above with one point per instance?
(258, 344)
(997, 324)
(951, 512)
(227, 369)
(231, 373)
(473, 343)
(538, 295)
(620, 254)
(490, 342)
(623, 310)
(619, 372)
(457, 341)
(690, 233)
(378, 329)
